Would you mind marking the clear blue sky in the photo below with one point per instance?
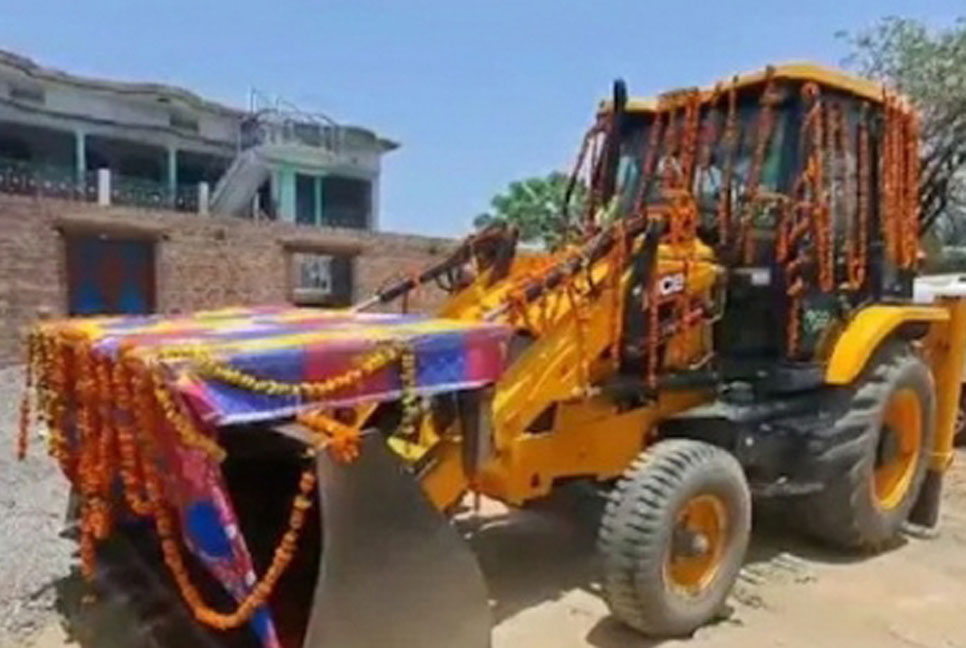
(478, 92)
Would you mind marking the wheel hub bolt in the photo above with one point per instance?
(700, 544)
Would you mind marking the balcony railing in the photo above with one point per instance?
(27, 178)
(139, 192)
(39, 179)
(350, 218)
(186, 198)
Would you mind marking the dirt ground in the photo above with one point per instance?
(540, 571)
(791, 594)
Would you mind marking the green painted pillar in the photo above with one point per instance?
(318, 201)
(172, 175)
(274, 190)
(80, 156)
(286, 194)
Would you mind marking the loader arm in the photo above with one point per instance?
(552, 414)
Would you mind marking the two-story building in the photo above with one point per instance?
(159, 143)
(120, 197)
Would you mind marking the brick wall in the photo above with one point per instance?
(201, 261)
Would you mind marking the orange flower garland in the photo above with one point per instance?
(24, 431)
(341, 440)
(54, 383)
(205, 364)
(91, 516)
(134, 490)
(170, 547)
(181, 422)
(119, 406)
(134, 391)
(106, 464)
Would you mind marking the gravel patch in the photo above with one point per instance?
(33, 497)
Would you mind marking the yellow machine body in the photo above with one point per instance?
(866, 332)
(585, 434)
(569, 349)
(941, 330)
(588, 436)
(591, 437)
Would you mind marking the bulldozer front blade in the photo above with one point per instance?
(394, 572)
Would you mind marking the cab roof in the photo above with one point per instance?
(823, 75)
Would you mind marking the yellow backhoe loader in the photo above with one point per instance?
(729, 317)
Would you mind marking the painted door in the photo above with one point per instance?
(109, 275)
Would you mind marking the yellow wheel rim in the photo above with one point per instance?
(697, 545)
(900, 444)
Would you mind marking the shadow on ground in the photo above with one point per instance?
(90, 623)
(540, 553)
(528, 556)
(130, 607)
(534, 554)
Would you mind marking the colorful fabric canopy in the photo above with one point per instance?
(296, 345)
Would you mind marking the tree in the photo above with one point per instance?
(929, 66)
(536, 206)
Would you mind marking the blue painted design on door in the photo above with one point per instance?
(132, 297)
(90, 296)
(107, 275)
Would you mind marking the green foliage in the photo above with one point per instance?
(536, 207)
(929, 66)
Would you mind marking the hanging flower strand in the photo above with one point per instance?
(106, 415)
(23, 433)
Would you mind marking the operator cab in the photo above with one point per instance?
(784, 169)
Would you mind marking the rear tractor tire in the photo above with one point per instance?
(888, 426)
(673, 537)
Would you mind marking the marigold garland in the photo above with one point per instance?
(181, 422)
(130, 468)
(207, 365)
(173, 558)
(55, 379)
(92, 523)
(342, 440)
(146, 415)
(106, 464)
(119, 407)
(23, 433)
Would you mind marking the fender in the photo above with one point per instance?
(866, 331)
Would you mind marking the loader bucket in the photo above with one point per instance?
(394, 572)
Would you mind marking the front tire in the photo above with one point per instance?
(673, 537)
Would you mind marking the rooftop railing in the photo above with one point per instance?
(277, 121)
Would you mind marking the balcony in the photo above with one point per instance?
(42, 180)
(71, 165)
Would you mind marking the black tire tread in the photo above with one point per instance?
(831, 515)
(632, 533)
